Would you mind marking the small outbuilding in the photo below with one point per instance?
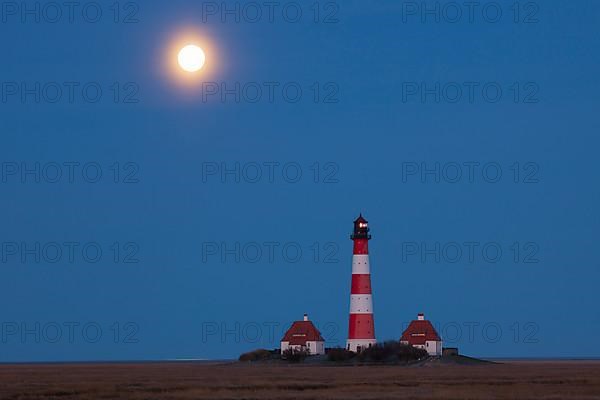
(421, 334)
(303, 336)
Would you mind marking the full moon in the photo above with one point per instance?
(191, 58)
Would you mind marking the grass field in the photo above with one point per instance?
(509, 380)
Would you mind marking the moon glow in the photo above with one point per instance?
(191, 58)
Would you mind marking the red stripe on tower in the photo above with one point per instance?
(361, 327)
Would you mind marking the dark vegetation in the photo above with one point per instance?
(388, 352)
(339, 354)
(383, 353)
(392, 351)
(294, 356)
(259, 355)
(263, 355)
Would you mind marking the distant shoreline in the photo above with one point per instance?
(234, 361)
(540, 358)
(117, 362)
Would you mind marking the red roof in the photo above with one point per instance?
(419, 332)
(301, 332)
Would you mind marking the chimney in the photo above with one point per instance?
(306, 317)
(421, 317)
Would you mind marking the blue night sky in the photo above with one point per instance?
(212, 243)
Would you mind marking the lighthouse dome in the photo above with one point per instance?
(361, 229)
(360, 220)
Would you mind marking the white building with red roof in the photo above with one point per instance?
(303, 335)
(421, 333)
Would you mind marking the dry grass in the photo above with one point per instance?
(522, 380)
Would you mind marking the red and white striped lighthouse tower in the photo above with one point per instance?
(361, 329)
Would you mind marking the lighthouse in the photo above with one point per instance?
(361, 327)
